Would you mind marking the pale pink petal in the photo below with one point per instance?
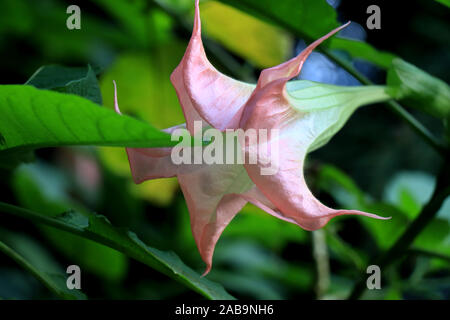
(212, 196)
(149, 163)
(256, 197)
(144, 167)
(268, 108)
(291, 68)
(204, 91)
(211, 191)
(272, 87)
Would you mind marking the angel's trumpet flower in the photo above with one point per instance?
(216, 193)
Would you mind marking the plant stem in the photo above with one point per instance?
(441, 192)
(320, 253)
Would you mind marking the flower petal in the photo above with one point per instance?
(272, 85)
(149, 163)
(212, 196)
(205, 92)
(269, 108)
(256, 197)
(291, 68)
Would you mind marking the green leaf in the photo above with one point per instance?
(55, 76)
(99, 229)
(330, 106)
(86, 87)
(32, 118)
(410, 191)
(444, 2)
(434, 237)
(79, 81)
(419, 89)
(52, 279)
(45, 189)
(362, 50)
(310, 19)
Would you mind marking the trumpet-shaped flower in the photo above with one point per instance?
(305, 114)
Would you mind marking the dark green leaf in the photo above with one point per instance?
(45, 189)
(55, 76)
(419, 89)
(362, 50)
(53, 278)
(79, 81)
(444, 2)
(101, 230)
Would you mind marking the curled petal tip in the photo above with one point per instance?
(116, 103)
(366, 214)
(207, 270)
(292, 68)
(197, 22)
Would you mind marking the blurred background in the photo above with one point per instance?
(376, 163)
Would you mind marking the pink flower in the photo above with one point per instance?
(216, 193)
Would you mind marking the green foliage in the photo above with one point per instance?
(138, 43)
(419, 89)
(444, 2)
(79, 81)
(402, 204)
(44, 189)
(34, 259)
(362, 50)
(33, 118)
(99, 229)
(311, 19)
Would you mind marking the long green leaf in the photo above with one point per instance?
(419, 89)
(45, 188)
(32, 118)
(99, 229)
(54, 282)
